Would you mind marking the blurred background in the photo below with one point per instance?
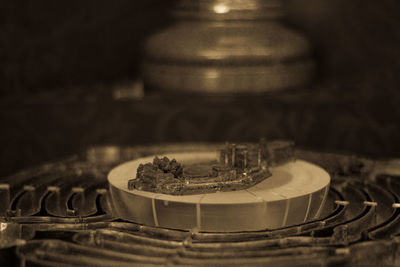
(69, 79)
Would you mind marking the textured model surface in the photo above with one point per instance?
(239, 167)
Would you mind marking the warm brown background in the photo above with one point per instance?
(59, 61)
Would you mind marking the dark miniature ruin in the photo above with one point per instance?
(240, 167)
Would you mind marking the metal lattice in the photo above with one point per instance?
(58, 214)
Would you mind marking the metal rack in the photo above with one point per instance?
(58, 214)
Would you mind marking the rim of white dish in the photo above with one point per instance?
(290, 180)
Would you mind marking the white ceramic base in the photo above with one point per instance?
(294, 194)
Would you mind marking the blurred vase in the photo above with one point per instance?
(227, 46)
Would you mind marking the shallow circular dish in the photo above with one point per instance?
(294, 194)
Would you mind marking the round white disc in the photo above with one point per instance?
(294, 194)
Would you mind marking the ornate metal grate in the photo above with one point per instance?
(58, 214)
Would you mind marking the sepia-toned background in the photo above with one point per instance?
(64, 66)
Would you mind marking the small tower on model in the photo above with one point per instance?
(256, 156)
(243, 156)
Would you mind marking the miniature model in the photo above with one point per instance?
(240, 167)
